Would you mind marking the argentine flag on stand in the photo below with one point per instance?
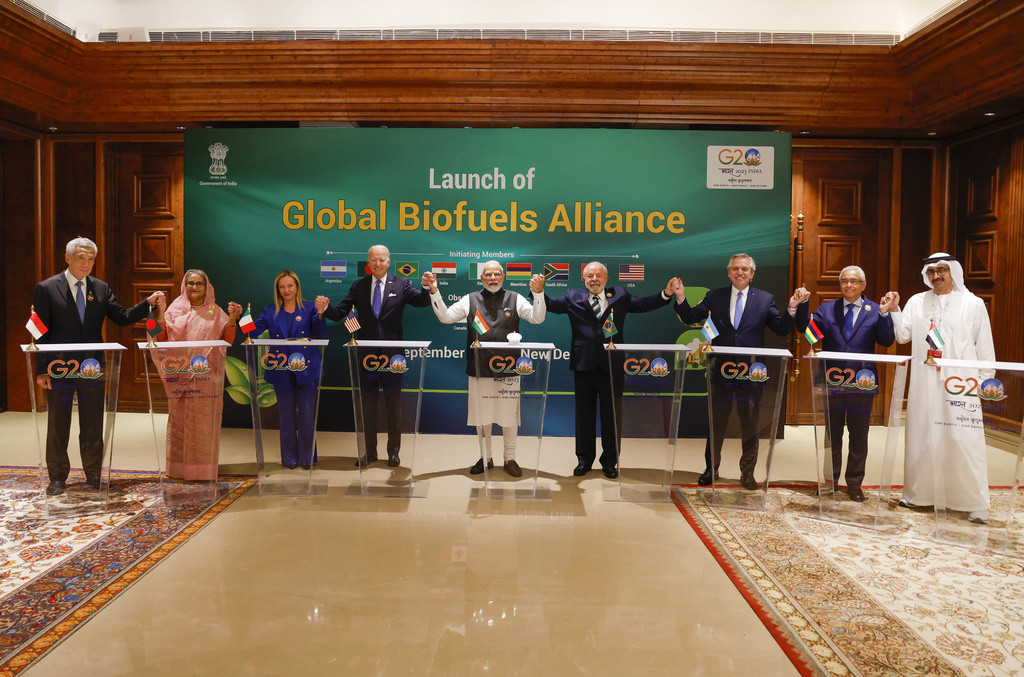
(709, 330)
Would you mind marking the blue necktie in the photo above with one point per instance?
(595, 303)
(848, 322)
(80, 302)
(738, 315)
(376, 297)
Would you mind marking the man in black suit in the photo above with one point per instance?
(380, 299)
(741, 314)
(588, 309)
(72, 305)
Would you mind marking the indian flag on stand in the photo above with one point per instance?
(480, 325)
(246, 323)
(934, 338)
(812, 332)
(444, 268)
(709, 330)
(35, 326)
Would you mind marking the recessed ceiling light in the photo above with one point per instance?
(989, 114)
(805, 131)
(180, 127)
(931, 133)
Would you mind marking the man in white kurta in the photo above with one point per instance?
(492, 314)
(944, 429)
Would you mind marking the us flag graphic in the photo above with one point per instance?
(631, 272)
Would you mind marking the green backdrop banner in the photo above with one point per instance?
(648, 204)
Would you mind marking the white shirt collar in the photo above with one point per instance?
(72, 281)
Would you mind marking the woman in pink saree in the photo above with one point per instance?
(194, 416)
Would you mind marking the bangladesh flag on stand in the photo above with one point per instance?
(152, 326)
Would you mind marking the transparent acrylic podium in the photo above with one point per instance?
(84, 380)
(647, 386)
(285, 356)
(849, 390)
(745, 387)
(190, 391)
(974, 439)
(514, 384)
(387, 394)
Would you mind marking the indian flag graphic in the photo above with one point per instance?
(444, 268)
(479, 324)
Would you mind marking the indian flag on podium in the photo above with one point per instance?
(480, 325)
(813, 333)
(934, 338)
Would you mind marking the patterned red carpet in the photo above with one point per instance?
(845, 600)
(56, 573)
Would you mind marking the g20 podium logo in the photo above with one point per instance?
(396, 364)
(183, 365)
(280, 362)
(848, 378)
(641, 366)
(741, 371)
(737, 156)
(509, 365)
(88, 368)
(990, 389)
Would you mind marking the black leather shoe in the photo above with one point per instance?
(705, 479)
(394, 461)
(93, 483)
(478, 467)
(292, 466)
(747, 482)
(55, 488)
(610, 473)
(855, 494)
(513, 469)
(305, 466)
(580, 470)
(368, 459)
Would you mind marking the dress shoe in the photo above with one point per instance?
(367, 459)
(610, 473)
(513, 469)
(93, 482)
(904, 503)
(978, 516)
(394, 461)
(305, 466)
(55, 488)
(855, 494)
(705, 478)
(292, 466)
(580, 470)
(747, 482)
(478, 467)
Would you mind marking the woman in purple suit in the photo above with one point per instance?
(297, 381)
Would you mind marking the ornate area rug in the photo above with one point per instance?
(845, 600)
(56, 573)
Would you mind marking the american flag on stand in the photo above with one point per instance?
(352, 323)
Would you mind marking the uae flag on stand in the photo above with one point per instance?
(35, 326)
(934, 338)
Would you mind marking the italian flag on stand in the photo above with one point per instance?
(245, 322)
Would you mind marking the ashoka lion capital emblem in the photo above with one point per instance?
(218, 152)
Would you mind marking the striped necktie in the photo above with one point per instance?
(595, 303)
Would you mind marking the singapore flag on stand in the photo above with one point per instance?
(35, 326)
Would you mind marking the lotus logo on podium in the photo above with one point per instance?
(396, 364)
(992, 390)
(865, 380)
(218, 152)
(87, 368)
(639, 366)
(296, 362)
(182, 365)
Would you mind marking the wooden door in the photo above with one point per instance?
(144, 244)
(842, 198)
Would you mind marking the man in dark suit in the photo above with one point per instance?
(588, 309)
(741, 313)
(852, 324)
(380, 299)
(72, 305)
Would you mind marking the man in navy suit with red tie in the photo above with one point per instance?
(852, 324)
(73, 304)
(741, 313)
(380, 299)
(588, 309)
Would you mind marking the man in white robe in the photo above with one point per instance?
(491, 314)
(944, 428)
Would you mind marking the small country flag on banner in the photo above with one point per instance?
(709, 330)
(556, 272)
(609, 325)
(475, 270)
(812, 332)
(444, 268)
(333, 268)
(245, 323)
(518, 269)
(631, 272)
(351, 323)
(480, 325)
(152, 326)
(408, 268)
(363, 268)
(35, 326)
(934, 338)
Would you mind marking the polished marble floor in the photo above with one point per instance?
(448, 584)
